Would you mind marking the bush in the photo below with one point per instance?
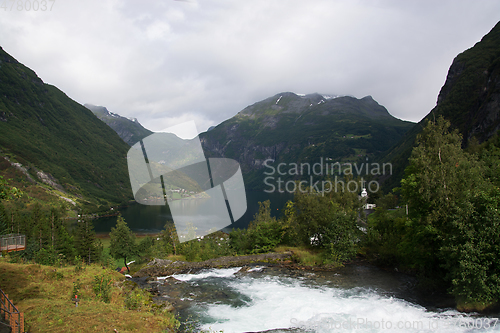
(263, 234)
(46, 256)
(138, 299)
(102, 288)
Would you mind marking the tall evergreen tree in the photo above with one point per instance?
(86, 243)
(62, 241)
(170, 238)
(39, 226)
(122, 241)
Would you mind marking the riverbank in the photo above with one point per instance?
(45, 295)
(164, 267)
(259, 293)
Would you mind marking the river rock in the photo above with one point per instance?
(164, 267)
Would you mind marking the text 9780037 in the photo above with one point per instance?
(27, 5)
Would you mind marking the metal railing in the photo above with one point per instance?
(12, 242)
(10, 314)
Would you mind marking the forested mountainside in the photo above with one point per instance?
(303, 129)
(58, 141)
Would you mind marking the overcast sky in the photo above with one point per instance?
(166, 61)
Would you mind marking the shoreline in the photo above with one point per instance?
(147, 277)
(165, 267)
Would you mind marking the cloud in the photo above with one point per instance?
(169, 61)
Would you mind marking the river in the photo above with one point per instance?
(356, 298)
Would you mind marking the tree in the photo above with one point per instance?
(61, 240)
(452, 233)
(328, 222)
(471, 254)
(39, 228)
(122, 241)
(264, 233)
(169, 238)
(86, 244)
(436, 187)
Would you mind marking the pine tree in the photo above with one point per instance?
(62, 241)
(122, 241)
(86, 244)
(38, 226)
(170, 237)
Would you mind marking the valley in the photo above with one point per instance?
(433, 227)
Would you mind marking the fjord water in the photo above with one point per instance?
(356, 298)
(152, 219)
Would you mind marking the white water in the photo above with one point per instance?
(217, 273)
(285, 302)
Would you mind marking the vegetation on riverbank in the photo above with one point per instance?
(45, 294)
(449, 235)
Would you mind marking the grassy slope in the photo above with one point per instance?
(44, 295)
(33, 193)
(43, 128)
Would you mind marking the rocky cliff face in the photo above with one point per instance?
(471, 94)
(469, 99)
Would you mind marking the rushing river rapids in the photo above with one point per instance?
(356, 298)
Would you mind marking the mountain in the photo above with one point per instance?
(291, 128)
(57, 141)
(130, 130)
(469, 99)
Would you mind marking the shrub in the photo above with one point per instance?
(102, 288)
(138, 299)
(46, 256)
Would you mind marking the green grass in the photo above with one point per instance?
(43, 294)
(305, 256)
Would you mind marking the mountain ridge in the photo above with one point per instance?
(303, 128)
(44, 130)
(129, 130)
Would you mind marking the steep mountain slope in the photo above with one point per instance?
(130, 130)
(303, 129)
(45, 130)
(470, 99)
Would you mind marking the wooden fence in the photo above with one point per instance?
(10, 314)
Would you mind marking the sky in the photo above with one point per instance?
(166, 62)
